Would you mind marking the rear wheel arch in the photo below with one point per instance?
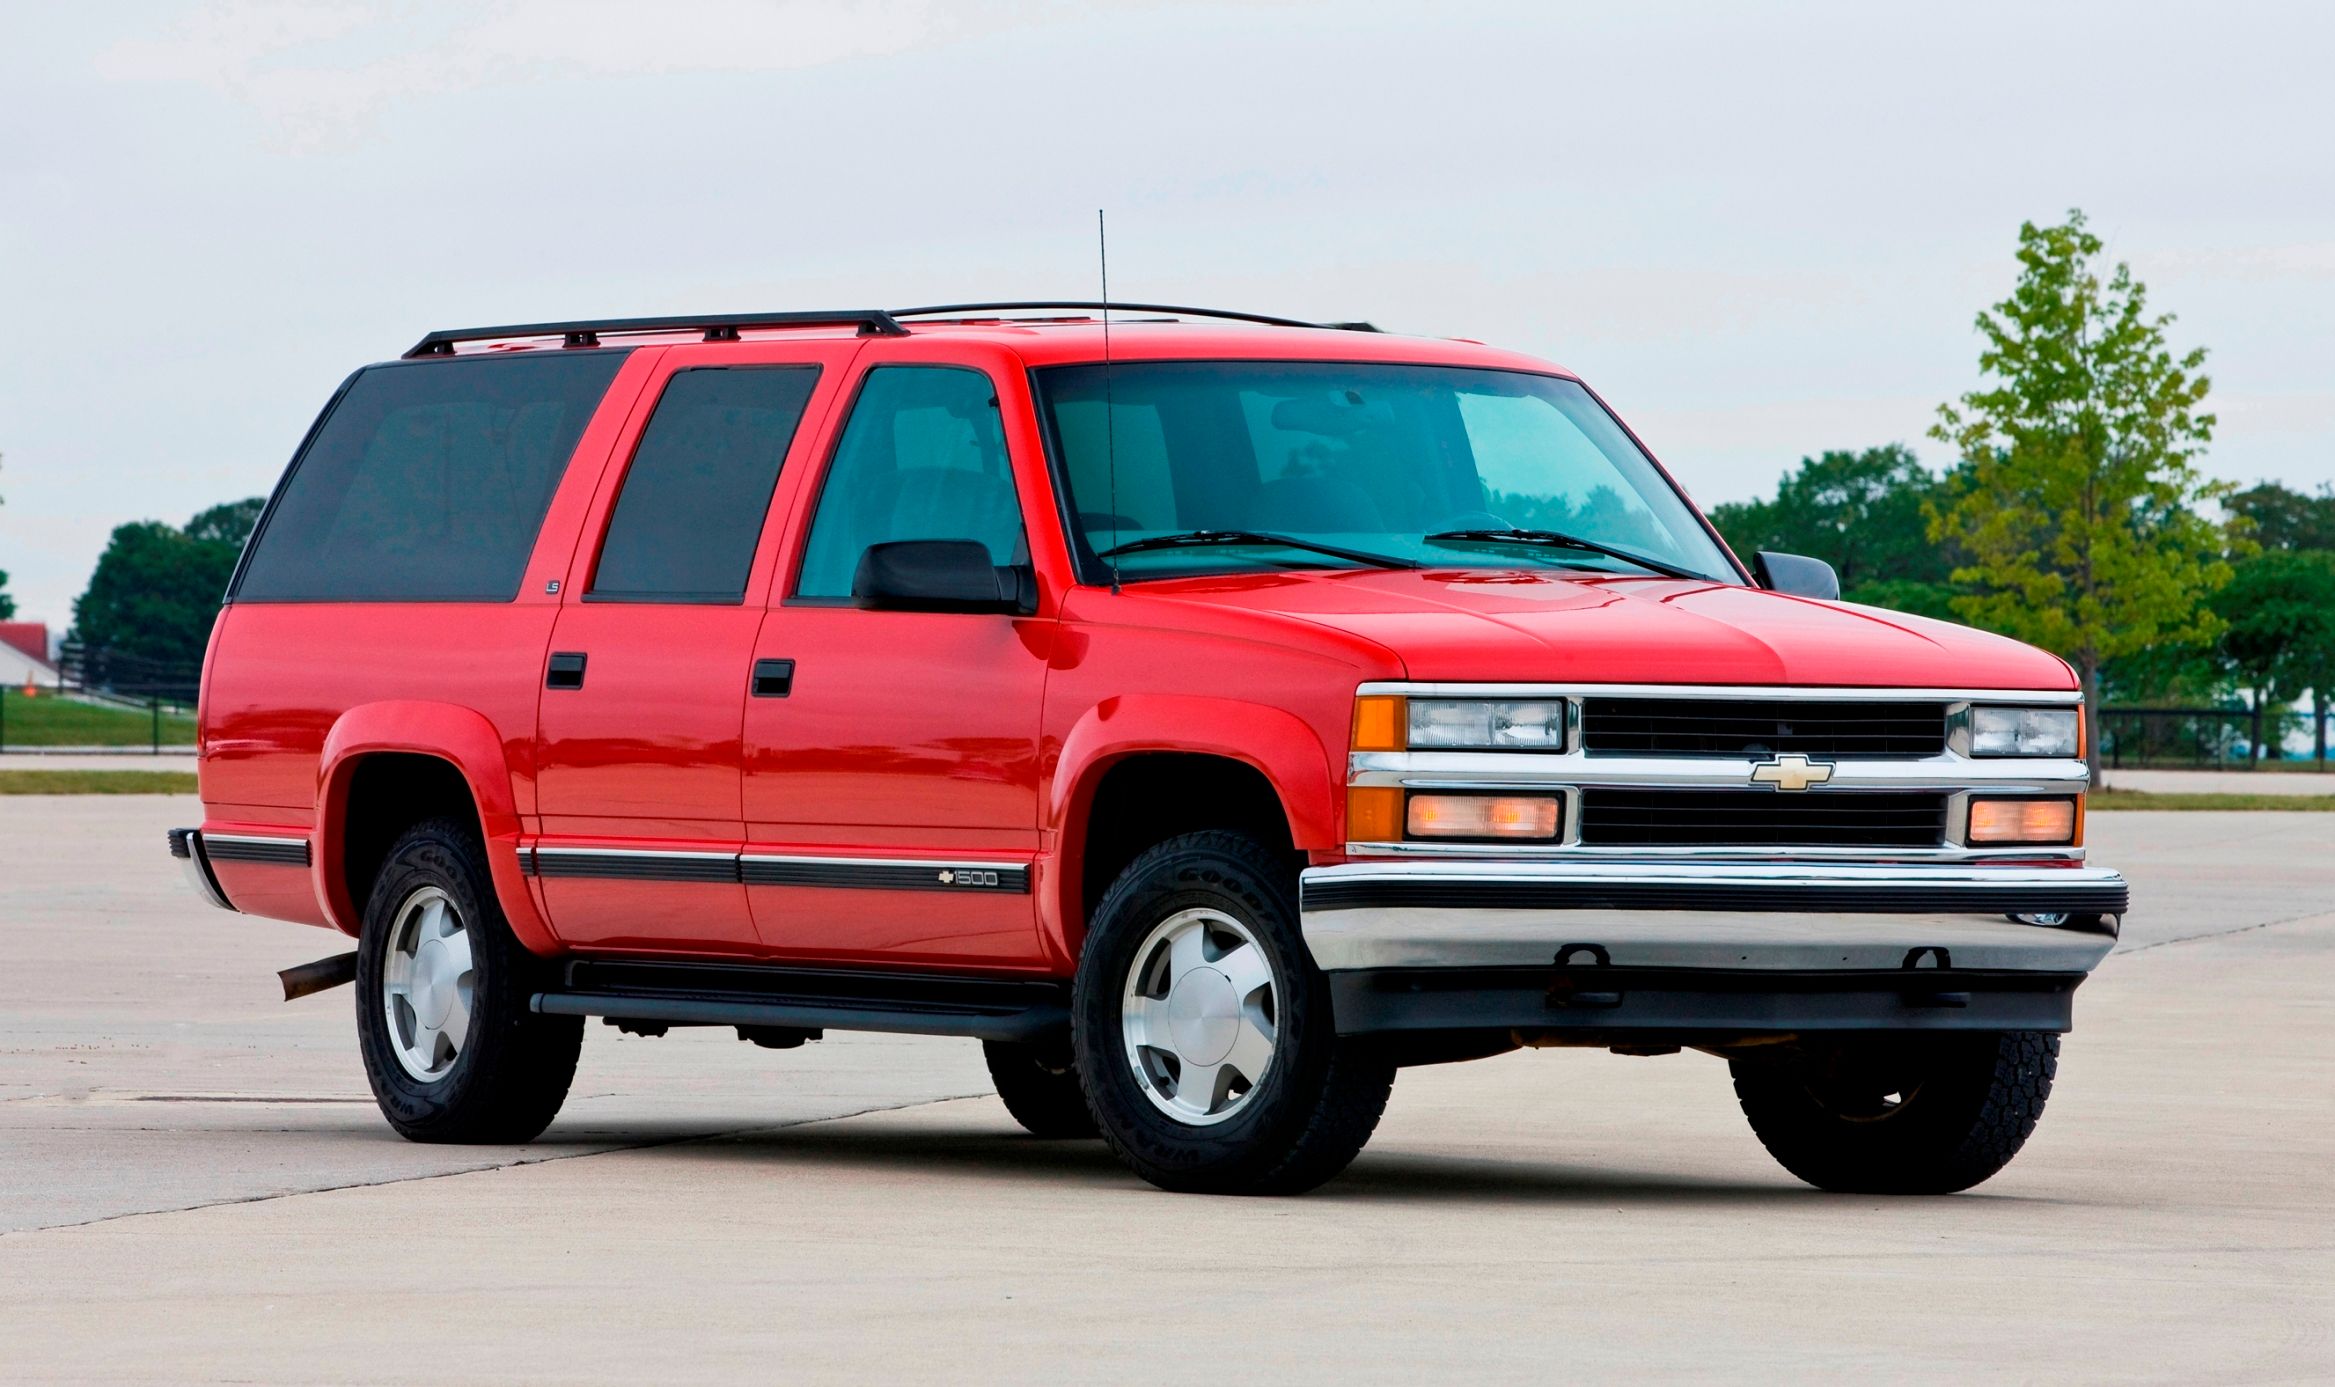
(389, 766)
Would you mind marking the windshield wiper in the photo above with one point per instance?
(1195, 539)
(1557, 539)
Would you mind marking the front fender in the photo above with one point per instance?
(461, 737)
(1281, 746)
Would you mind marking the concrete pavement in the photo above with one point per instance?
(198, 1189)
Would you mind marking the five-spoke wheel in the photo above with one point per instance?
(427, 982)
(452, 1048)
(1203, 1029)
(1200, 1016)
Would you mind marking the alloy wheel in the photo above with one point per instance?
(1200, 1015)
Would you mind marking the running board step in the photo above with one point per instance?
(740, 994)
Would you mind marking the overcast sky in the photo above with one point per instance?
(1761, 231)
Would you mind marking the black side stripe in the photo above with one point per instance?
(608, 866)
(273, 852)
(874, 875)
(888, 876)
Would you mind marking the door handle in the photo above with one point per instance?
(566, 670)
(774, 678)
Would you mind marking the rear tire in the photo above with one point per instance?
(1897, 1114)
(1203, 1028)
(1039, 1085)
(450, 1048)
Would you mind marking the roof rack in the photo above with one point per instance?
(1097, 305)
(717, 327)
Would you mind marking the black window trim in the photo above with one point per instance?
(698, 599)
(284, 483)
(1093, 571)
(818, 490)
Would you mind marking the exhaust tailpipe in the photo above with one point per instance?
(321, 976)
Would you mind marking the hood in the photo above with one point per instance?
(1477, 625)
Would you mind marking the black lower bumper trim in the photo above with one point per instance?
(1693, 1002)
(729, 994)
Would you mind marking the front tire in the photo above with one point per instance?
(1893, 1114)
(1203, 1031)
(450, 1048)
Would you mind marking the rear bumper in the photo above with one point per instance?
(1705, 947)
(186, 844)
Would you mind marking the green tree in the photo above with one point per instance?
(1862, 513)
(156, 589)
(2284, 518)
(2076, 518)
(2279, 609)
(229, 523)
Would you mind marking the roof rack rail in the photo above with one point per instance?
(1097, 305)
(717, 327)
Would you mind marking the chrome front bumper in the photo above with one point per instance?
(1708, 916)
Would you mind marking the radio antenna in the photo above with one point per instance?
(1110, 412)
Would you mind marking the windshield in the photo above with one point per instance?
(1422, 465)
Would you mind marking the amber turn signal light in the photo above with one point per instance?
(1380, 723)
(2024, 822)
(1374, 814)
(1482, 816)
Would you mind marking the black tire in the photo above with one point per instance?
(513, 1067)
(1320, 1097)
(1039, 1085)
(1896, 1114)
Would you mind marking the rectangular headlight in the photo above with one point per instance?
(1488, 724)
(2025, 731)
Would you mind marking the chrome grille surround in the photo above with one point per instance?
(1952, 772)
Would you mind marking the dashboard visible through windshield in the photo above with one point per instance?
(1193, 467)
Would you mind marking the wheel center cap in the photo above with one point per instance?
(433, 984)
(1204, 1016)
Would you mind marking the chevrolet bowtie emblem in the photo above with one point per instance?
(1794, 772)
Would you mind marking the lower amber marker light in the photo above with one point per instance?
(2040, 822)
(1482, 816)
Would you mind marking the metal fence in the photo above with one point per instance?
(2222, 738)
(149, 699)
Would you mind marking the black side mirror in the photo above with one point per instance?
(940, 575)
(1796, 574)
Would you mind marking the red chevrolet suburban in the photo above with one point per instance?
(1211, 714)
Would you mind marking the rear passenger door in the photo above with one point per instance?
(649, 663)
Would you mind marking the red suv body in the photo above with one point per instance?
(1378, 699)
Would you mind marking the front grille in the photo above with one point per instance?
(1762, 818)
(1761, 727)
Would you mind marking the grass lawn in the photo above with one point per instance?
(50, 720)
(2137, 799)
(97, 782)
(2298, 765)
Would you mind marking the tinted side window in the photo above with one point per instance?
(699, 485)
(428, 482)
(923, 457)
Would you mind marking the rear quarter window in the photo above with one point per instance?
(427, 482)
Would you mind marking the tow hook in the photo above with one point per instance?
(1566, 990)
(323, 975)
(1931, 957)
